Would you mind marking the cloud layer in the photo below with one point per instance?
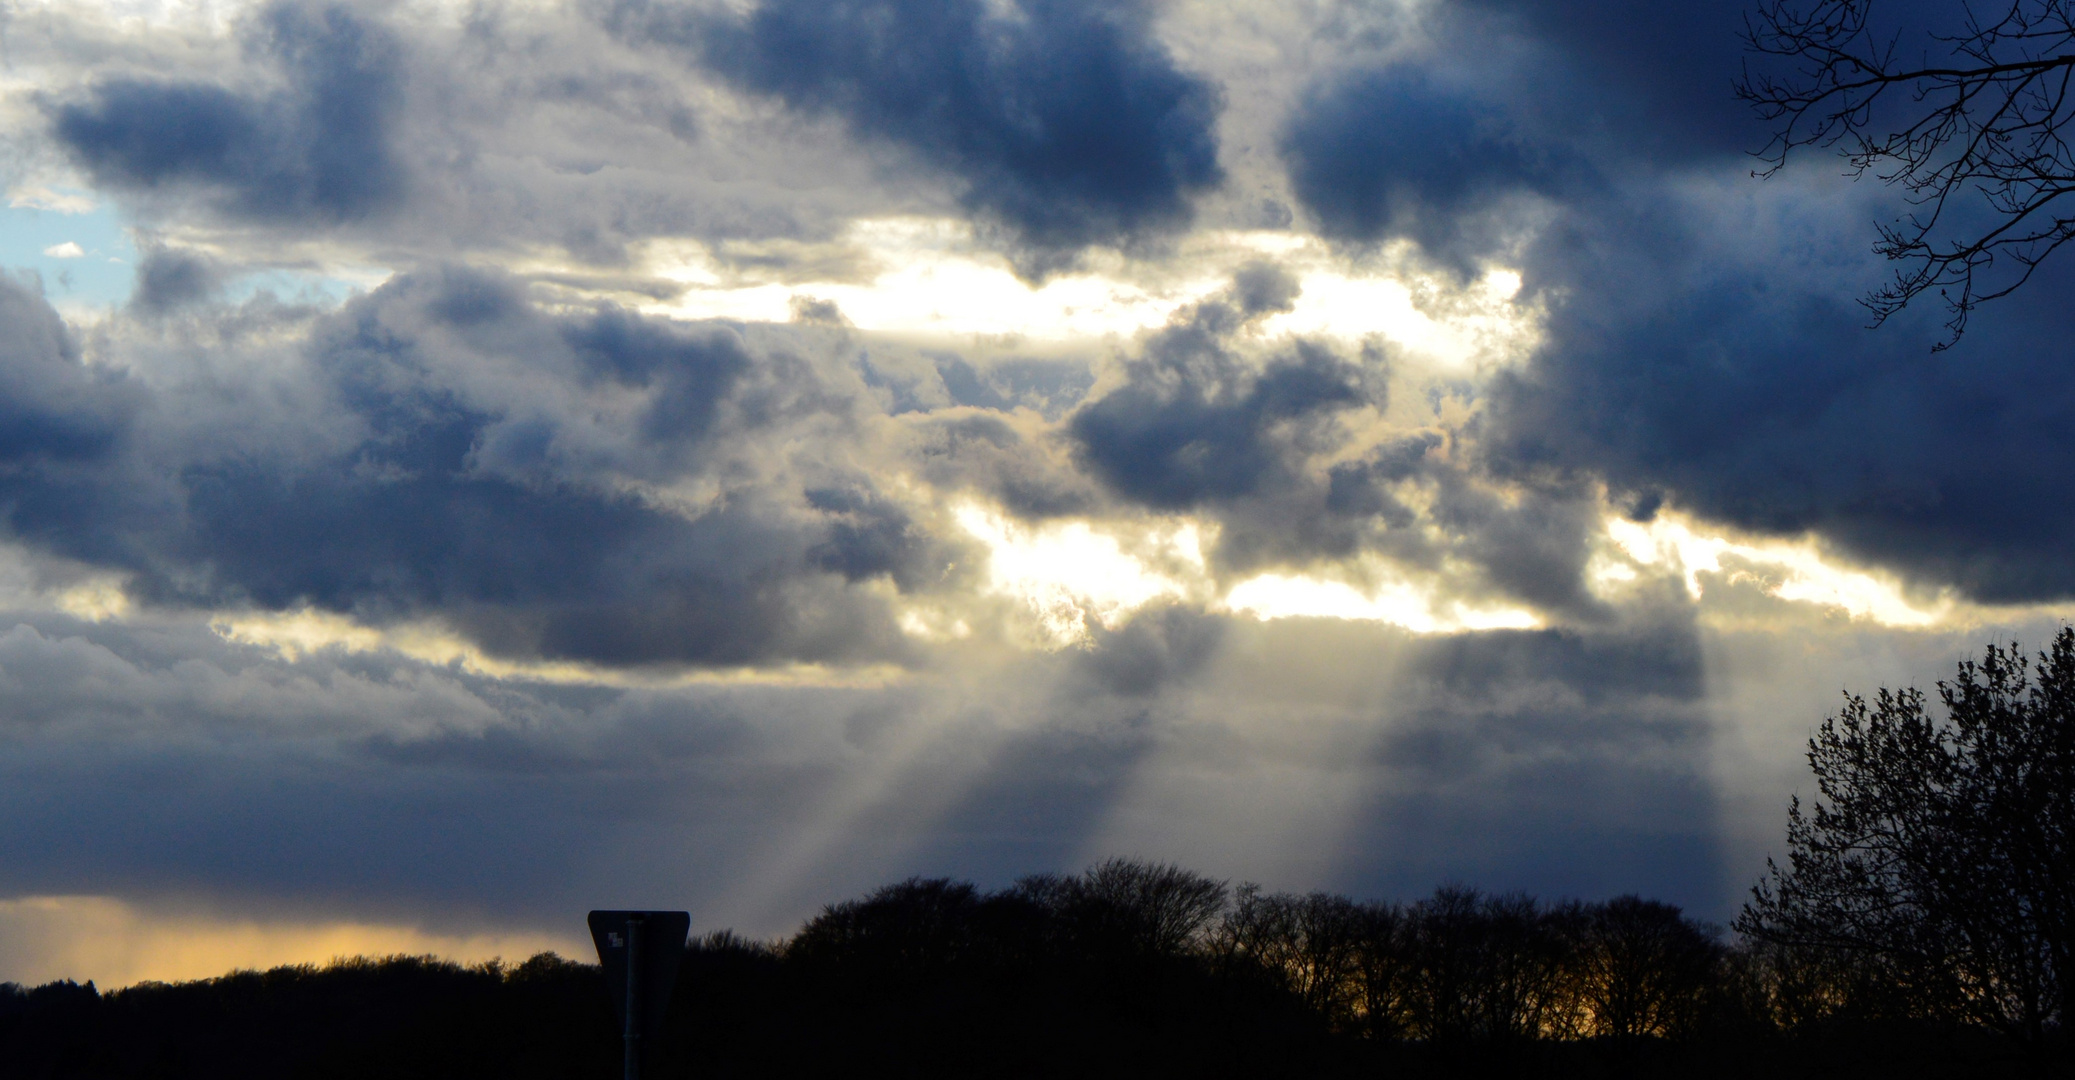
(478, 510)
(314, 152)
(1066, 121)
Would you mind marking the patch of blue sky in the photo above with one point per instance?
(86, 258)
(293, 286)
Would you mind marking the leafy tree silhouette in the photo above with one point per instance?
(1939, 856)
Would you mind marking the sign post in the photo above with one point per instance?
(640, 951)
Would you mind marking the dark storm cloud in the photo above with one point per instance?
(168, 280)
(963, 382)
(1159, 647)
(1511, 99)
(1515, 534)
(868, 536)
(569, 481)
(1396, 153)
(1194, 424)
(1654, 78)
(1750, 391)
(1704, 348)
(317, 151)
(433, 484)
(1530, 543)
(1361, 488)
(54, 411)
(688, 378)
(1185, 443)
(1064, 120)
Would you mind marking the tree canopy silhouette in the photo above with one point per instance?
(1967, 120)
(1126, 969)
(1939, 856)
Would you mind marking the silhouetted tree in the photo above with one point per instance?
(1644, 969)
(1968, 120)
(1310, 945)
(400, 1016)
(898, 936)
(1148, 909)
(1121, 971)
(1485, 967)
(1940, 855)
(1800, 989)
(1383, 934)
(1530, 955)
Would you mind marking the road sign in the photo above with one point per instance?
(640, 951)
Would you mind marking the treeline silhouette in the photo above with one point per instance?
(1127, 969)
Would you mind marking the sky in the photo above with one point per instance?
(467, 463)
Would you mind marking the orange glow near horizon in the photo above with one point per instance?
(115, 944)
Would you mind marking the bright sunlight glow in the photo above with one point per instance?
(1067, 574)
(932, 279)
(1793, 571)
(1396, 600)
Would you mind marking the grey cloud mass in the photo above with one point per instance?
(169, 280)
(1192, 424)
(1056, 126)
(396, 135)
(1397, 154)
(449, 477)
(318, 151)
(1757, 397)
(1259, 442)
(1066, 122)
(170, 760)
(1655, 79)
(54, 413)
(1686, 359)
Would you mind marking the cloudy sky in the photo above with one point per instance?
(466, 463)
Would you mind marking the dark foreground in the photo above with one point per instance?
(1128, 970)
(746, 1014)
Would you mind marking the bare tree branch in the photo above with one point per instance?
(1980, 135)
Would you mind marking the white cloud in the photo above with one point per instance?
(1071, 573)
(38, 197)
(66, 250)
(1394, 599)
(933, 279)
(1790, 570)
(1068, 573)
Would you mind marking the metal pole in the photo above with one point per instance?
(633, 1033)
